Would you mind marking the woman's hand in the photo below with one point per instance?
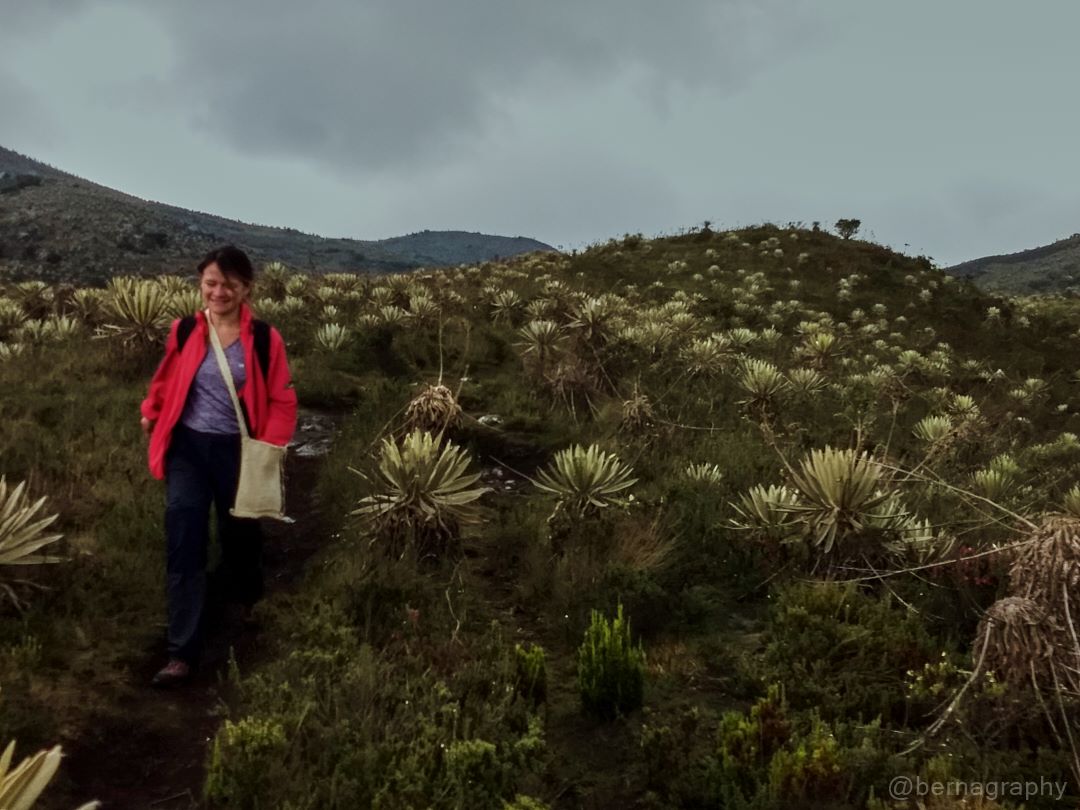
(147, 425)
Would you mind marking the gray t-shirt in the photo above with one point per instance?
(209, 408)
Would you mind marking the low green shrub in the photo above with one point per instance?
(766, 758)
(747, 742)
(843, 651)
(995, 734)
(521, 802)
(812, 768)
(530, 673)
(474, 771)
(611, 671)
(321, 383)
(673, 750)
(244, 759)
(421, 722)
(773, 759)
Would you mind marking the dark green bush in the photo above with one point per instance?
(674, 751)
(641, 595)
(844, 651)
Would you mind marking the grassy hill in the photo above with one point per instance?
(832, 491)
(62, 228)
(1052, 268)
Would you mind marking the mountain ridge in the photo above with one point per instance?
(1044, 269)
(59, 227)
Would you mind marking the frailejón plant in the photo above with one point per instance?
(585, 480)
(20, 787)
(425, 493)
(839, 494)
(22, 533)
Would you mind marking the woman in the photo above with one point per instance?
(195, 444)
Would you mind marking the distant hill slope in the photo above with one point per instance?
(434, 248)
(1050, 268)
(58, 227)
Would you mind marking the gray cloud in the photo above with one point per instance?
(974, 217)
(25, 116)
(386, 85)
(22, 19)
(561, 199)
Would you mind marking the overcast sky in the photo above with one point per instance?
(949, 127)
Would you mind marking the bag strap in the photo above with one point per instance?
(226, 372)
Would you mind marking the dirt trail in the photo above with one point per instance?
(149, 750)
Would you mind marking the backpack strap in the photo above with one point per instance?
(184, 330)
(260, 331)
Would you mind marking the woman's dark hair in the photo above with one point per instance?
(231, 260)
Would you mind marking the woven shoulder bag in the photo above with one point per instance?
(261, 489)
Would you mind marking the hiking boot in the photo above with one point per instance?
(173, 673)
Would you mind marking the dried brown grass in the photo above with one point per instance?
(435, 409)
(642, 545)
(637, 414)
(1048, 568)
(1019, 641)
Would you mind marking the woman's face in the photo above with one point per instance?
(220, 293)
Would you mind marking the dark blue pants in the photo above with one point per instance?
(201, 468)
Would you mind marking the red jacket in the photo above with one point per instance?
(270, 402)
